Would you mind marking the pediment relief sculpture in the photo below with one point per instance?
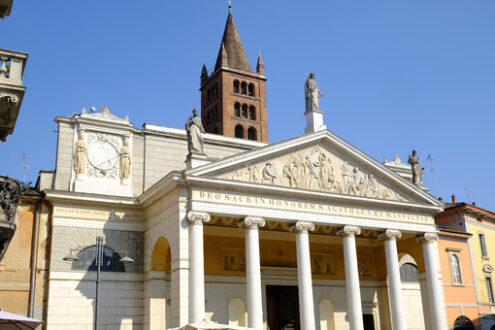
(315, 169)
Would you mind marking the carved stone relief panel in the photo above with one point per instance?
(315, 169)
(233, 260)
(323, 264)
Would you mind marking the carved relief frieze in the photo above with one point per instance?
(315, 169)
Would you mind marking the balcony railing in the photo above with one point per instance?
(12, 65)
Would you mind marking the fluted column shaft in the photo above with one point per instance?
(305, 283)
(352, 277)
(253, 272)
(394, 281)
(196, 266)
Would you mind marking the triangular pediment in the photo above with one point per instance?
(319, 162)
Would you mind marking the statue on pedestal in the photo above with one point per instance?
(312, 93)
(417, 170)
(80, 154)
(195, 130)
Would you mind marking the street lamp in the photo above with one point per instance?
(99, 262)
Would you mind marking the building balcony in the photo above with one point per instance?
(12, 65)
(10, 192)
(5, 7)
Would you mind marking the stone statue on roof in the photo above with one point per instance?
(417, 170)
(312, 93)
(195, 130)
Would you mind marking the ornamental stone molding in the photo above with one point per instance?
(487, 269)
(10, 191)
(390, 234)
(252, 222)
(198, 218)
(302, 226)
(349, 230)
(427, 238)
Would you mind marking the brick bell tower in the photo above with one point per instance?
(233, 98)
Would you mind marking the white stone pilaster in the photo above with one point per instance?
(354, 308)
(435, 294)
(196, 265)
(305, 283)
(253, 272)
(394, 281)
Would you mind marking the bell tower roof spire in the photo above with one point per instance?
(231, 42)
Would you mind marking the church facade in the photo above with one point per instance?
(307, 233)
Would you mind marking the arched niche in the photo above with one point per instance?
(327, 320)
(237, 313)
(160, 258)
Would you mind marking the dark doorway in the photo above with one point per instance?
(283, 307)
(368, 322)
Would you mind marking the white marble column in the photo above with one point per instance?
(196, 266)
(253, 272)
(394, 282)
(305, 283)
(354, 308)
(435, 294)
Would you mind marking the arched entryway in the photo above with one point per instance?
(158, 285)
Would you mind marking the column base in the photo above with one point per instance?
(210, 326)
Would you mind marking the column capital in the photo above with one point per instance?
(349, 230)
(198, 217)
(427, 237)
(390, 234)
(252, 222)
(302, 226)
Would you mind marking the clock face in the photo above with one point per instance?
(103, 155)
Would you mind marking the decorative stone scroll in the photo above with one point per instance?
(349, 230)
(302, 226)
(252, 222)
(198, 217)
(390, 234)
(427, 238)
(315, 169)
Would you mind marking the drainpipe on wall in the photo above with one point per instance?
(34, 258)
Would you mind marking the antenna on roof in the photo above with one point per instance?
(230, 4)
(468, 195)
(429, 159)
(25, 164)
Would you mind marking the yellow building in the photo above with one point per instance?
(480, 223)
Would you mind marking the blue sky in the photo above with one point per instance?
(396, 75)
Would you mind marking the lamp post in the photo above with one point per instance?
(99, 262)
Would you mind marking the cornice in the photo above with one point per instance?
(63, 197)
(161, 188)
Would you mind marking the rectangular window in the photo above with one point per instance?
(484, 252)
(489, 287)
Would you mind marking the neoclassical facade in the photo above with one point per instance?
(308, 233)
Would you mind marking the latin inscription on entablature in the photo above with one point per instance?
(96, 214)
(310, 207)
